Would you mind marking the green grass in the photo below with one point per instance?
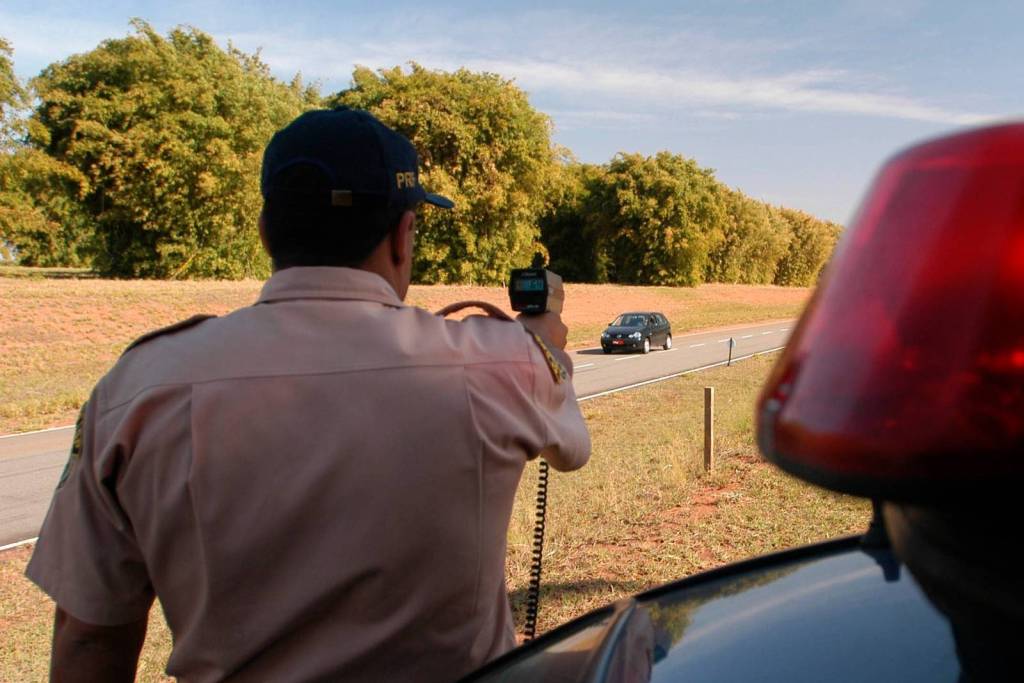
(641, 513)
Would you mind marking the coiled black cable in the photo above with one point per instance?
(533, 591)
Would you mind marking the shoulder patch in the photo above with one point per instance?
(558, 372)
(176, 327)
(76, 447)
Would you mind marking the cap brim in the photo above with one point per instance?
(438, 200)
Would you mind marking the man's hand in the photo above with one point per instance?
(549, 326)
(85, 652)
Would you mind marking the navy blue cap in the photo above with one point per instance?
(363, 162)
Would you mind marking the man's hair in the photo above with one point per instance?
(300, 234)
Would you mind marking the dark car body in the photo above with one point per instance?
(637, 331)
(842, 610)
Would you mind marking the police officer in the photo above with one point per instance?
(318, 486)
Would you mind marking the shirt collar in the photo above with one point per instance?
(328, 283)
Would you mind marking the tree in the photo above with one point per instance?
(481, 144)
(752, 243)
(812, 245)
(39, 224)
(12, 98)
(660, 215)
(41, 219)
(577, 248)
(167, 136)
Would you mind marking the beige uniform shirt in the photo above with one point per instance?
(316, 487)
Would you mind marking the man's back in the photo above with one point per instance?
(310, 484)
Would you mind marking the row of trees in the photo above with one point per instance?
(666, 220)
(141, 159)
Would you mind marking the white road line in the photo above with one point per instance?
(585, 365)
(12, 546)
(768, 332)
(668, 350)
(693, 346)
(784, 329)
(722, 341)
(38, 431)
(627, 358)
(581, 399)
(746, 336)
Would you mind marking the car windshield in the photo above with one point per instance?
(629, 320)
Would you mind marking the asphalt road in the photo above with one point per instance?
(596, 372)
(30, 464)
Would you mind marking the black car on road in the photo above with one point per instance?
(637, 331)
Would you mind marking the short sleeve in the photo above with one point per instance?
(86, 557)
(566, 440)
(522, 400)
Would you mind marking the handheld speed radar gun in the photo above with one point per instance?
(535, 290)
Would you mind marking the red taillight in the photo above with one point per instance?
(905, 376)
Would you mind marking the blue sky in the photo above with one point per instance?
(796, 103)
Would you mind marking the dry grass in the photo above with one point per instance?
(643, 512)
(59, 336)
(26, 627)
(640, 514)
(60, 330)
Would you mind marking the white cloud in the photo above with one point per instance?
(610, 70)
(624, 74)
(806, 91)
(598, 119)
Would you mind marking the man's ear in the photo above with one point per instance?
(401, 239)
(263, 232)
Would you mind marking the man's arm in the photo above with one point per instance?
(570, 446)
(87, 652)
(88, 561)
(549, 326)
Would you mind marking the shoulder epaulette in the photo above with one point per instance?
(558, 372)
(176, 327)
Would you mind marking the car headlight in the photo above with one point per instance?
(604, 335)
(635, 335)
